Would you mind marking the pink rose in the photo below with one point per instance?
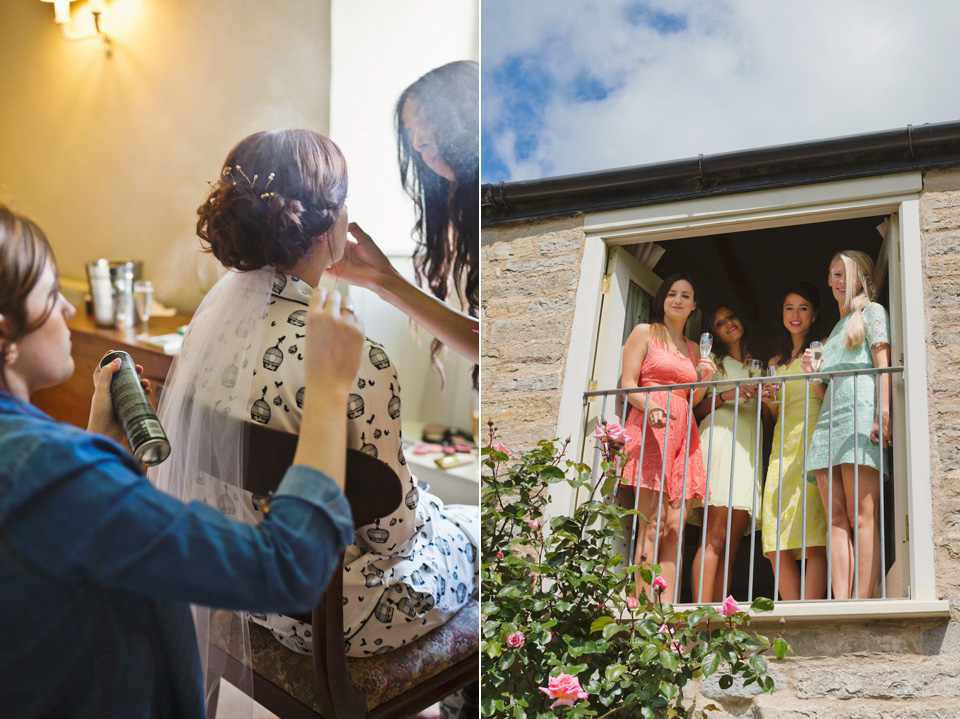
(499, 555)
(631, 603)
(664, 629)
(500, 448)
(533, 576)
(729, 607)
(565, 689)
(611, 432)
(515, 640)
(659, 584)
(643, 557)
(535, 523)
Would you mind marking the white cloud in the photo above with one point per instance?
(742, 74)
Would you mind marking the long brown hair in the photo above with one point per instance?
(24, 252)
(447, 213)
(657, 314)
(784, 338)
(720, 348)
(278, 191)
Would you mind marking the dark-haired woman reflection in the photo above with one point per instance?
(437, 123)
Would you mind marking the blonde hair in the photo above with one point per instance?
(859, 271)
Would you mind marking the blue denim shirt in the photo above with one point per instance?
(98, 567)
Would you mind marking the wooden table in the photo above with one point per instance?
(70, 401)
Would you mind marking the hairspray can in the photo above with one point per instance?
(135, 411)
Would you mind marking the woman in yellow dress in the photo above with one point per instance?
(794, 525)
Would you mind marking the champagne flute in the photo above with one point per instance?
(706, 344)
(143, 301)
(816, 359)
(772, 372)
(755, 369)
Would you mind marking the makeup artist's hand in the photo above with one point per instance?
(363, 263)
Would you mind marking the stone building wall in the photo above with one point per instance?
(529, 276)
(859, 669)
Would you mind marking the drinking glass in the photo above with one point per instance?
(706, 344)
(816, 359)
(755, 369)
(772, 372)
(143, 301)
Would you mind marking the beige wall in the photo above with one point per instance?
(111, 155)
(529, 275)
(863, 669)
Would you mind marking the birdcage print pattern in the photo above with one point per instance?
(412, 496)
(297, 318)
(354, 406)
(273, 357)
(366, 447)
(378, 358)
(229, 377)
(378, 534)
(260, 412)
(279, 282)
(393, 406)
(393, 559)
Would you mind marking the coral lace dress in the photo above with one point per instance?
(667, 450)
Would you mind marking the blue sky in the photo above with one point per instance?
(573, 86)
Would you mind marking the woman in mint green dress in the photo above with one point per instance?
(860, 340)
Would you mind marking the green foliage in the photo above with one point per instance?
(562, 588)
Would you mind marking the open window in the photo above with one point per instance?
(744, 250)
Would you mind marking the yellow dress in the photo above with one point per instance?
(791, 501)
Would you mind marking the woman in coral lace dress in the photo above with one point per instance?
(665, 465)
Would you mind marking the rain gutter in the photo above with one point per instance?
(912, 148)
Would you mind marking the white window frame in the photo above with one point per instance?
(798, 205)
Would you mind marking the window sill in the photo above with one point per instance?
(841, 610)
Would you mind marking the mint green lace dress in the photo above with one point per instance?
(838, 406)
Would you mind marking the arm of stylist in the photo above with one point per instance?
(97, 517)
(365, 265)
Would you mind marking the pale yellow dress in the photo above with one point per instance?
(791, 501)
(744, 492)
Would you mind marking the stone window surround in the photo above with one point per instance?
(785, 206)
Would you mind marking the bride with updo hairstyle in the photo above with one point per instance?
(276, 220)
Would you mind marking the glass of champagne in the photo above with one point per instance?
(706, 344)
(143, 301)
(816, 359)
(772, 372)
(755, 369)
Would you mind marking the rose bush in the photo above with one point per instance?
(560, 618)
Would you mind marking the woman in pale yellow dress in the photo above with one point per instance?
(794, 525)
(734, 483)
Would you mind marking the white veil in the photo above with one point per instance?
(207, 383)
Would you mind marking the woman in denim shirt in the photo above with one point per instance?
(97, 567)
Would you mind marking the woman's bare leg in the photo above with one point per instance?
(648, 502)
(862, 508)
(841, 560)
(709, 554)
(674, 515)
(788, 577)
(738, 525)
(815, 582)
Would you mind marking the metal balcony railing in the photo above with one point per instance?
(620, 396)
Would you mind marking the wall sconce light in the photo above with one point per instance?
(97, 10)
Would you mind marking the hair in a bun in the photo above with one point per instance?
(277, 193)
